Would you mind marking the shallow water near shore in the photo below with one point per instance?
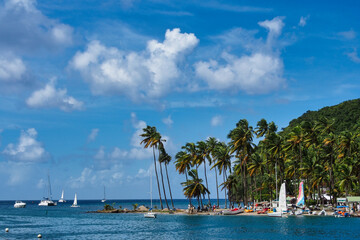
(63, 222)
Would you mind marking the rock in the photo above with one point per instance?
(143, 209)
(165, 210)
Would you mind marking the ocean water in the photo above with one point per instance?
(64, 222)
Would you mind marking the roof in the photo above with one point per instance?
(354, 199)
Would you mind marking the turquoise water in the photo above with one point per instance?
(63, 222)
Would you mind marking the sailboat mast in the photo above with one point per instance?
(104, 193)
(49, 193)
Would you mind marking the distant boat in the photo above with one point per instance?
(48, 201)
(19, 204)
(104, 199)
(233, 211)
(75, 202)
(150, 214)
(282, 203)
(62, 200)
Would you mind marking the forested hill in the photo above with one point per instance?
(346, 115)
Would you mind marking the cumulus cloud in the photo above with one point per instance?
(50, 97)
(92, 136)
(258, 72)
(168, 121)
(23, 28)
(150, 74)
(11, 68)
(216, 120)
(28, 149)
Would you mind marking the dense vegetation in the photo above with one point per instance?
(345, 114)
(322, 152)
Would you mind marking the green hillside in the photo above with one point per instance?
(346, 115)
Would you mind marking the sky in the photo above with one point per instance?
(79, 80)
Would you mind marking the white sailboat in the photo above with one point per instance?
(282, 203)
(48, 200)
(150, 214)
(75, 202)
(104, 199)
(62, 200)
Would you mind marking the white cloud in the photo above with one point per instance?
(150, 74)
(349, 35)
(259, 72)
(50, 97)
(354, 56)
(23, 28)
(92, 136)
(303, 21)
(168, 121)
(28, 149)
(216, 120)
(11, 68)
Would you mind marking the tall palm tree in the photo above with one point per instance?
(222, 156)
(166, 158)
(151, 139)
(202, 155)
(194, 187)
(183, 164)
(211, 145)
(161, 146)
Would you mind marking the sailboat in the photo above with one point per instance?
(282, 203)
(104, 199)
(300, 203)
(150, 214)
(47, 201)
(75, 202)
(62, 197)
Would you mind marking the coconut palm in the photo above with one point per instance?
(151, 139)
(166, 158)
(194, 187)
(211, 145)
(202, 155)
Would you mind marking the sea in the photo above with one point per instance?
(64, 222)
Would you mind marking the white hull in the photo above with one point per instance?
(75, 206)
(233, 212)
(150, 215)
(19, 204)
(103, 200)
(275, 214)
(62, 201)
(46, 203)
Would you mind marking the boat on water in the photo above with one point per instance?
(47, 202)
(279, 211)
(19, 204)
(150, 213)
(62, 200)
(75, 202)
(104, 199)
(300, 203)
(233, 211)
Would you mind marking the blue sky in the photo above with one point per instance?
(79, 80)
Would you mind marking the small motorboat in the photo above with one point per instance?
(150, 215)
(19, 204)
(233, 211)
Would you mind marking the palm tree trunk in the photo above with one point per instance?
(167, 176)
(186, 181)
(162, 180)
(217, 188)
(157, 179)
(207, 183)
(224, 188)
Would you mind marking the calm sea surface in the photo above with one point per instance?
(63, 222)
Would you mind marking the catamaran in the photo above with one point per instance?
(75, 202)
(282, 203)
(62, 197)
(48, 200)
(104, 199)
(150, 214)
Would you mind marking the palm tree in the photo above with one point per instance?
(183, 164)
(194, 187)
(161, 146)
(151, 139)
(222, 157)
(348, 179)
(211, 145)
(166, 158)
(202, 155)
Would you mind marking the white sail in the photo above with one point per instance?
(62, 195)
(282, 198)
(75, 200)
